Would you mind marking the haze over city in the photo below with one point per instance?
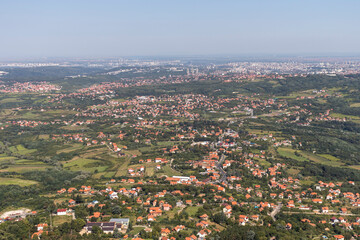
(167, 28)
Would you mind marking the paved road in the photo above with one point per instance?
(181, 209)
(331, 214)
(276, 211)
(221, 170)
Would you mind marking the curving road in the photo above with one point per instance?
(276, 211)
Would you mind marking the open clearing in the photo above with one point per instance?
(16, 181)
(84, 164)
(22, 169)
(70, 148)
(192, 210)
(355, 105)
(325, 159)
(355, 119)
(58, 220)
(168, 171)
(21, 149)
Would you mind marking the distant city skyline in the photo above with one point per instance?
(35, 29)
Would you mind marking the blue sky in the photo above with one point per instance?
(112, 28)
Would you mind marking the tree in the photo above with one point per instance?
(250, 235)
(96, 230)
(78, 224)
(116, 210)
(219, 218)
(117, 233)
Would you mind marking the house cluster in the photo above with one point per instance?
(40, 87)
(114, 224)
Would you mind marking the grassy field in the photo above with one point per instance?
(264, 163)
(21, 149)
(136, 230)
(357, 167)
(11, 100)
(290, 153)
(171, 214)
(91, 159)
(261, 132)
(355, 105)
(294, 95)
(168, 143)
(75, 127)
(84, 164)
(29, 115)
(44, 136)
(5, 158)
(192, 210)
(339, 115)
(123, 167)
(13, 164)
(70, 148)
(16, 181)
(307, 182)
(58, 220)
(330, 157)
(325, 159)
(293, 171)
(149, 171)
(22, 169)
(168, 171)
(28, 162)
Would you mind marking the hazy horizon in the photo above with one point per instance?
(111, 28)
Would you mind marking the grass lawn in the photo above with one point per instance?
(44, 136)
(11, 99)
(264, 163)
(21, 149)
(290, 153)
(192, 210)
(307, 182)
(28, 115)
(136, 230)
(325, 159)
(330, 157)
(123, 167)
(357, 167)
(168, 171)
(70, 148)
(28, 162)
(261, 132)
(105, 174)
(167, 143)
(58, 220)
(172, 212)
(149, 171)
(339, 115)
(132, 152)
(293, 171)
(75, 127)
(355, 105)
(16, 181)
(22, 169)
(84, 164)
(61, 200)
(6, 158)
